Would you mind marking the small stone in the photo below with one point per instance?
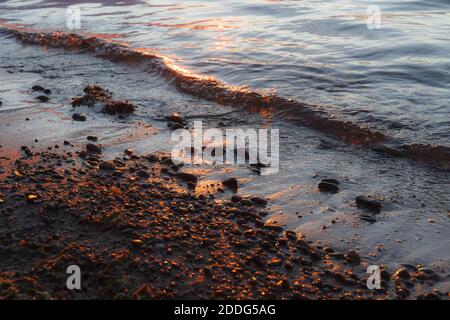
(92, 138)
(187, 177)
(128, 152)
(42, 98)
(259, 201)
(137, 242)
(353, 257)
(31, 198)
(402, 274)
(79, 117)
(47, 91)
(231, 183)
(175, 117)
(92, 148)
(37, 88)
(367, 203)
(328, 187)
(107, 166)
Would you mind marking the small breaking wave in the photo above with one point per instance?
(204, 87)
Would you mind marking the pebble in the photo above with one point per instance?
(107, 166)
(92, 138)
(175, 117)
(187, 177)
(42, 98)
(402, 273)
(328, 187)
(137, 242)
(231, 183)
(353, 257)
(37, 88)
(259, 201)
(79, 117)
(367, 203)
(92, 148)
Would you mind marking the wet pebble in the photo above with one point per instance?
(353, 257)
(325, 186)
(42, 98)
(92, 148)
(107, 166)
(231, 183)
(368, 203)
(79, 117)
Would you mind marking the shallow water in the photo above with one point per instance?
(394, 80)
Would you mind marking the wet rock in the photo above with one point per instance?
(187, 177)
(47, 91)
(137, 242)
(92, 138)
(368, 203)
(118, 107)
(259, 201)
(175, 117)
(328, 187)
(231, 183)
(128, 152)
(79, 117)
(42, 98)
(107, 166)
(92, 148)
(353, 257)
(37, 88)
(402, 274)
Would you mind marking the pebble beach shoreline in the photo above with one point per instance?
(138, 230)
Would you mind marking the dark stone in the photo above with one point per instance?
(47, 91)
(367, 203)
(231, 183)
(175, 117)
(107, 166)
(92, 148)
(92, 138)
(37, 88)
(259, 201)
(79, 117)
(328, 187)
(187, 177)
(42, 98)
(402, 274)
(353, 257)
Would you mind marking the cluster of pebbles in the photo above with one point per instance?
(137, 229)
